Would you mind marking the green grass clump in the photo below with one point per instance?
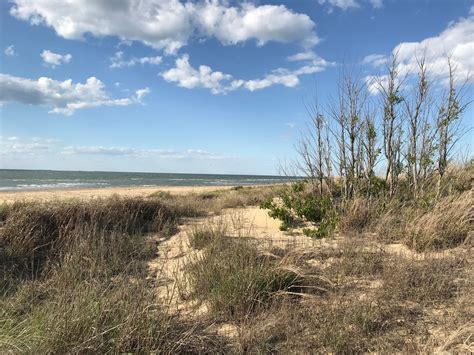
(235, 279)
(203, 235)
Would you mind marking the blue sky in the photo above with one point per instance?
(195, 86)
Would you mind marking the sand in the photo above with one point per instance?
(49, 195)
(175, 253)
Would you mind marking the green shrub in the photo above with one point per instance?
(295, 204)
(282, 213)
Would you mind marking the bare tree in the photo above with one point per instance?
(313, 149)
(371, 151)
(354, 96)
(389, 88)
(336, 110)
(419, 148)
(452, 106)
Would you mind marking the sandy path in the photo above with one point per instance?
(175, 253)
(48, 195)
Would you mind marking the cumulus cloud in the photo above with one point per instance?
(188, 77)
(63, 97)
(375, 83)
(184, 75)
(142, 153)
(55, 59)
(263, 23)
(169, 24)
(10, 51)
(456, 41)
(118, 61)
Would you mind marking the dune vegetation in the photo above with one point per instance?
(75, 277)
(359, 262)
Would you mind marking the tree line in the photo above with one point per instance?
(408, 132)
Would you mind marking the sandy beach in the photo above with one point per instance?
(49, 195)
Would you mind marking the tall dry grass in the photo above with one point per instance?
(447, 224)
(74, 280)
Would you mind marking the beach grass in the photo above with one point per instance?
(76, 277)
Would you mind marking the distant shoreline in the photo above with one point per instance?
(15, 181)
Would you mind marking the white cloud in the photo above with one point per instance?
(376, 4)
(10, 51)
(188, 77)
(204, 77)
(169, 24)
(349, 4)
(308, 55)
(342, 4)
(456, 41)
(263, 23)
(141, 93)
(117, 61)
(375, 83)
(142, 153)
(280, 76)
(55, 59)
(60, 96)
(13, 145)
(375, 60)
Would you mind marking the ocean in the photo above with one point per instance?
(24, 180)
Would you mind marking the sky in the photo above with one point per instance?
(198, 86)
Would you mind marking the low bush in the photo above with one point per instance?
(296, 204)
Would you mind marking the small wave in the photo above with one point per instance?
(60, 185)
